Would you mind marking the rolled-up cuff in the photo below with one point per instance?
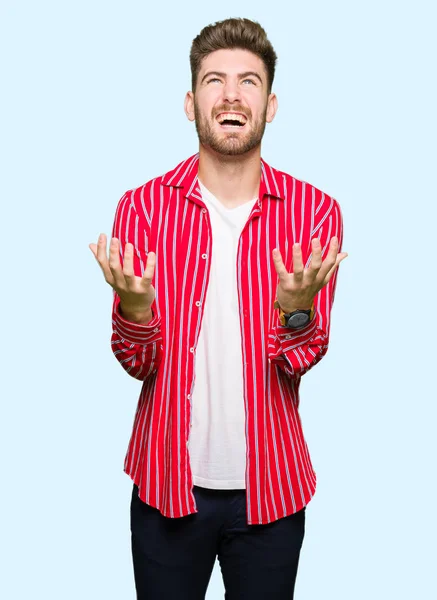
(291, 338)
(135, 333)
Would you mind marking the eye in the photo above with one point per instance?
(250, 81)
(213, 79)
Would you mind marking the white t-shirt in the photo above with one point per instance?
(217, 440)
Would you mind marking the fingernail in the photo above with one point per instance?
(101, 237)
(113, 242)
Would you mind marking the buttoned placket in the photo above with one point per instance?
(255, 213)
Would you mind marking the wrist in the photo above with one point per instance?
(140, 317)
(290, 309)
(290, 313)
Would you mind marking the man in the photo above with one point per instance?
(222, 302)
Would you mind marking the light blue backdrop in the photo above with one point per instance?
(92, 105)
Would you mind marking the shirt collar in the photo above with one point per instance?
(185, 175)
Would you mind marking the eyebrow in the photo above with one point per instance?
(240, 75)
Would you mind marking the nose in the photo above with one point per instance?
(231, 91)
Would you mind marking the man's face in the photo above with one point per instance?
(231, 104)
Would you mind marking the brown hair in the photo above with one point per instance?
(233, 33)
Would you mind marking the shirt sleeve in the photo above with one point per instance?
(138, 348)
(296, 351)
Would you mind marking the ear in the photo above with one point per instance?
(272, 108)
(189, 106)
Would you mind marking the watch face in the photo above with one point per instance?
(298, 320)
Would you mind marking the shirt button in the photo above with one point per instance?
(155, 330)
(203, 210)
(198, 303)
(189, 396)
(191, 349)
(204, 255)
(288, 337)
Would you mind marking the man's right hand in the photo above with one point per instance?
(136, 293)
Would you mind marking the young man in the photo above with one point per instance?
(224, 271)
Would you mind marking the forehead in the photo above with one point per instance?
(232, 62)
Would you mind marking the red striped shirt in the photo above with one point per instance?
(167, 216)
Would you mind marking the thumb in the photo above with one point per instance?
(341, 256)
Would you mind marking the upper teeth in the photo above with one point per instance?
(232, 117)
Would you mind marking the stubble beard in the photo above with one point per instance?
(229, 144)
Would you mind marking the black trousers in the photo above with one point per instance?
(173, 558)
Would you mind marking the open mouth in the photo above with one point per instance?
(232, 121)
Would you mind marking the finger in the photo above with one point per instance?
(297, 262)
(149, 271)
(316, 258)
(279, 265)
(128, 262)
(330, 259)
(341, 256)
(99, 251)
(115, 264)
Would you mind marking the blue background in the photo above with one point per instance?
(92, 105)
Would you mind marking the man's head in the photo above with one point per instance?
(233, 67)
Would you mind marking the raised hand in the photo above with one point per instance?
(136, 293)
(297, 290)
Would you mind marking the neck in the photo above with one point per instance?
(233, 180)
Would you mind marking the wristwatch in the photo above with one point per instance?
(296, 319)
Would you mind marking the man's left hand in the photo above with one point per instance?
(298, 289)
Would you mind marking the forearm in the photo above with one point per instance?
(140, 317)
(136, 346)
